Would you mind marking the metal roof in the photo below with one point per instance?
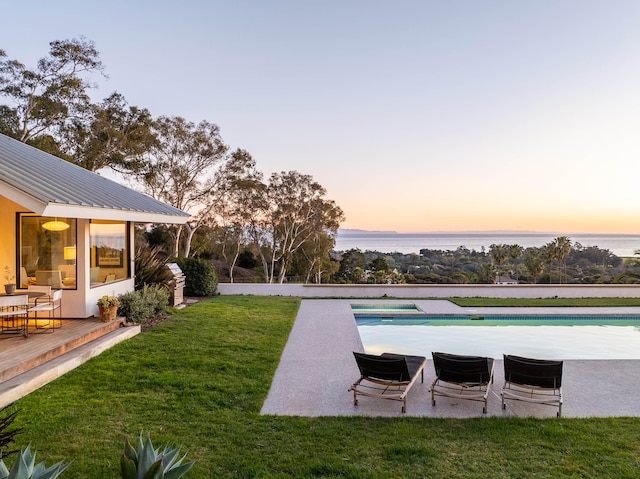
(51, 186)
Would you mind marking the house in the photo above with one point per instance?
(68, 227)
(505, 280)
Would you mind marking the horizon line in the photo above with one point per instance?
(519, 232)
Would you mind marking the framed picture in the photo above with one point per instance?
(109, 257)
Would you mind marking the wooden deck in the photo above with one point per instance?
(19, 354)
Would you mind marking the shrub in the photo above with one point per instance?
(247, 260)
(138, 306)
(201, 278)
(7, 431)
(151, 266)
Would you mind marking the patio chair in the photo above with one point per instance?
(51, 278)
(532, 380)
(462, 377)
(47, 304)
(35, 291)
(387, 376)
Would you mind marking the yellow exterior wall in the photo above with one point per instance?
(8, 234)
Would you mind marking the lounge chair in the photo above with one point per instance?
(532, 380)
(462, 377)
(387, 376)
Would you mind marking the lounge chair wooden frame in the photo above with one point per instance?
(462, 377)
(532, 380)
(387, 376)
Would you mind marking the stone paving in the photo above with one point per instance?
(317, 367)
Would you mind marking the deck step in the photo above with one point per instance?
(45, 347)
(28, 381)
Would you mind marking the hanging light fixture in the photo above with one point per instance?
(55, 225)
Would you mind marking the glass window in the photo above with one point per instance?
(47, 251)
(109, 251)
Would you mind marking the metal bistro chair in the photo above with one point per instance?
(14, 312)
(35, 291)
(47, 304)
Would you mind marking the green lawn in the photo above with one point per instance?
(199, 379)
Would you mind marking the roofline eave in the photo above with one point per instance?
(90, 212)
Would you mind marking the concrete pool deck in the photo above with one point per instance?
(317, 367)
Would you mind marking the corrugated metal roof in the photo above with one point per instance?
(52, 181)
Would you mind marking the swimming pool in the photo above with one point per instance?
(550, 337)
(385, 308)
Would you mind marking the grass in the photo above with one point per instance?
(522, 302)
(199, 379)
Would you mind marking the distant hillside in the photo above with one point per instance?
(353, 231)
(349, 231)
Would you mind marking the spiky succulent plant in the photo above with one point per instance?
(149, 463)
(25, 467)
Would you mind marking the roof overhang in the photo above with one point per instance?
(111, 214)
(51, 186)
(86, 212)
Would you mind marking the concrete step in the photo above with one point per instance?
(36, 377)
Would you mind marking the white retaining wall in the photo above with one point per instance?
(433, 291)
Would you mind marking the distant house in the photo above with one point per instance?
(70, 228)
(505, 280)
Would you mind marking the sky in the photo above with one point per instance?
(416, 116)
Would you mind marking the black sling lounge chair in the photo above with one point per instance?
(532, 380)
(388, 376)
(462, 377)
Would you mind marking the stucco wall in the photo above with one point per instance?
(8, 211)
(433, 291)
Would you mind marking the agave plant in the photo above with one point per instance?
(25, 467)
(149, 463)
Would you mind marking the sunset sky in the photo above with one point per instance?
(416, 116)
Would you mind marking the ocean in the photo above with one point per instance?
(620, 245)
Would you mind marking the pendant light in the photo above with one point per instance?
(55, 225)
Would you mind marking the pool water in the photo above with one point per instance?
(549, 337)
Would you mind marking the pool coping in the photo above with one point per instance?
(317, 367)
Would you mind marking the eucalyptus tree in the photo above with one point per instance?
(112, 134)
(299, 212)
(313, 258)
(44, 98)
(240, 208)
(179, 169)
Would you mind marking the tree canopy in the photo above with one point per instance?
(288, 221)
(43, 99)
